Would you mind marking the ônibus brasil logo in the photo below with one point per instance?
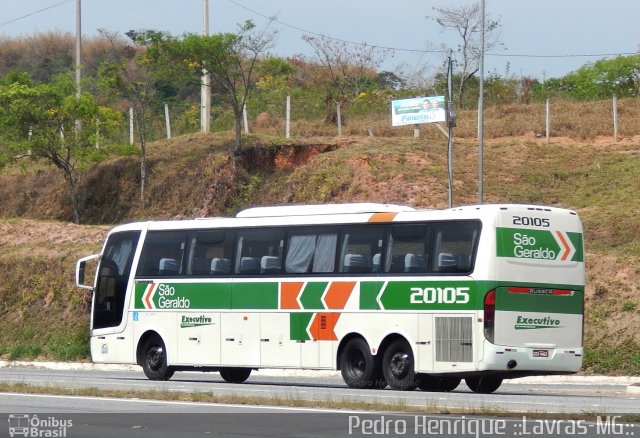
(528, 323)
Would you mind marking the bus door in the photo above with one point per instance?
(109, 341)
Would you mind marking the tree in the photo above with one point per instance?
(466, 21)
(229, 58)
(131, 78)
(37, 121)
(350, 68)
(619, 76)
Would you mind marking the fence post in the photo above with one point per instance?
(548, 119)
(97, 143)
(615, 118)
(167, 121)
(131, 126)
(287, 121)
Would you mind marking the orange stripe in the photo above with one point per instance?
(382, 217)
(338, 294)
(566, 245)
(147, 296)
(289, 295)
(323, 325)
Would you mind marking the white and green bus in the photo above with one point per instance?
(387, 295)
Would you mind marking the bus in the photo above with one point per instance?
(388, 295)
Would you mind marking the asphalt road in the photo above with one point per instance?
(95, 417)
(572, 399)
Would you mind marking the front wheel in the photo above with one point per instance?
(154, 360)
(398, 366)
(235, 375)
(483, 385)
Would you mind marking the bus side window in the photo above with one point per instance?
(210, 253)
(360, 248)
(408, 248)
(454, 246)
(259, 251)
(162, 254)
(310, 251)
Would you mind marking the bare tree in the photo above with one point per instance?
(131, 78)
(350, 67)
(466, 21)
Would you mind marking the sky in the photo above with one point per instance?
(541, 38)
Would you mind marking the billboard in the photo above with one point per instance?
(418, 110)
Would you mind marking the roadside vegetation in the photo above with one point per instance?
(54, 171)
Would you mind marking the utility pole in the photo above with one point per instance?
(451, 123)
(78, 47)
(481, 111)
(205, 88)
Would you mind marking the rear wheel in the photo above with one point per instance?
(358, 366)
(438, 384)
(398, 366)
(154, 360)
(235, 375)
(483, 385)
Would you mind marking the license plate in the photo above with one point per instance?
(540, 353)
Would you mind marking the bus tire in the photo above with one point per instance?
(154, 360)
(235, 375)
(358, 367)
(438, 384)
(483, 384)
(398, 366)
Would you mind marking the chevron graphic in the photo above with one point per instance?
(567, 250)
(147, 297)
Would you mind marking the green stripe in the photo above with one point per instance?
(397, 295)
(576, 240)
(188, 295)
(254, 296)
(298, 323)
(139, 292)
(369, 291)
(311, 297)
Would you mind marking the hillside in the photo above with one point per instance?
(43, 315)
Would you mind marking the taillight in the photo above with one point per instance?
(489, 315)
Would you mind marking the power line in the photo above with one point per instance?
(34, 13)
(400, 49)
(333, 38)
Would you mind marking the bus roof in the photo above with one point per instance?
(313, 210)
(340, 214)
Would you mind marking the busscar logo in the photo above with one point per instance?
(195, 321)
(528, 323)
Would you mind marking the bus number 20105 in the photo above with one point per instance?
(440, 295)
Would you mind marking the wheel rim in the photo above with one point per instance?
(400, 364)
(357, 364)
(155, 357)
